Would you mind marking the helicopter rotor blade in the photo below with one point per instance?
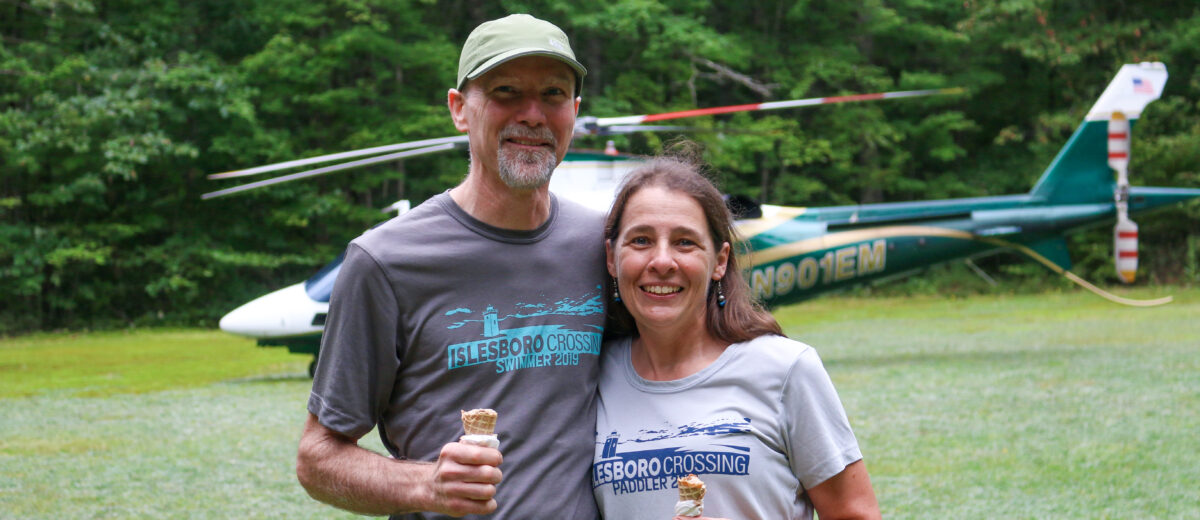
(584, 126)
(338, 156)
(770, 105)
(633, 129)
(329, 169)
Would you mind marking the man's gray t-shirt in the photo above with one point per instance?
(758, 426)
(435, 312)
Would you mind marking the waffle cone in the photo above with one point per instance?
(480, 421)
(691, 488)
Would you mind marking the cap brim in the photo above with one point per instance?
(499, 59)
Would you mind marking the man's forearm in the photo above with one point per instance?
(335, 470)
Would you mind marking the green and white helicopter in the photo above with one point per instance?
(796, 253)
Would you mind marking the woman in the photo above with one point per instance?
(703, 381)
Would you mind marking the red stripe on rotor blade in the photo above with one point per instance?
(1118, 155)
(1118, 136)
(1127, 234)
(855, 97)
(773, 105)
(702, 112)
(1127, 254)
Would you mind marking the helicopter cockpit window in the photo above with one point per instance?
(320, 286)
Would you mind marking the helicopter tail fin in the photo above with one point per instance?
(1080, 173)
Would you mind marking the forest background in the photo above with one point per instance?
(113, 112)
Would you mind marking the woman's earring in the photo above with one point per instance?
(616, 293)
(720, 295)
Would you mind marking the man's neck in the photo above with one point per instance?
(494, 203)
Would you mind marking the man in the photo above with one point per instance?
(487, 296)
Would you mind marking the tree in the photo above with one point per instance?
(112, 112)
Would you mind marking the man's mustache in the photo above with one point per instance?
(523, 132)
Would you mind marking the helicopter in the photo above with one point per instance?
(795, 253)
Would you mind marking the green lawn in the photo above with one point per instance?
(106, 363)
(1035, 406)
(1032, 406)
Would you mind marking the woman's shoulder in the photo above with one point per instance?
(779, 349)
(765, 358)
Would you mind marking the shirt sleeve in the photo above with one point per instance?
(820, 441)
(359, 357)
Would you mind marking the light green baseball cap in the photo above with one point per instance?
(514, 36)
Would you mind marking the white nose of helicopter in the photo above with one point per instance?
(286, 312)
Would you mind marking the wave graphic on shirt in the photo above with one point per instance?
(588, 304)
(655, 459)
(715, 427)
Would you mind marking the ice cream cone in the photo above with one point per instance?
(480, 421)
(691, 488)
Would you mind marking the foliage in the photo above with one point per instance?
(112, 113)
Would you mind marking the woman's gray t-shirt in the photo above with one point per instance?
(758, 426)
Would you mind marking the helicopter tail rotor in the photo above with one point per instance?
(1125, 233)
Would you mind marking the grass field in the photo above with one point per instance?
(1033, 406)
